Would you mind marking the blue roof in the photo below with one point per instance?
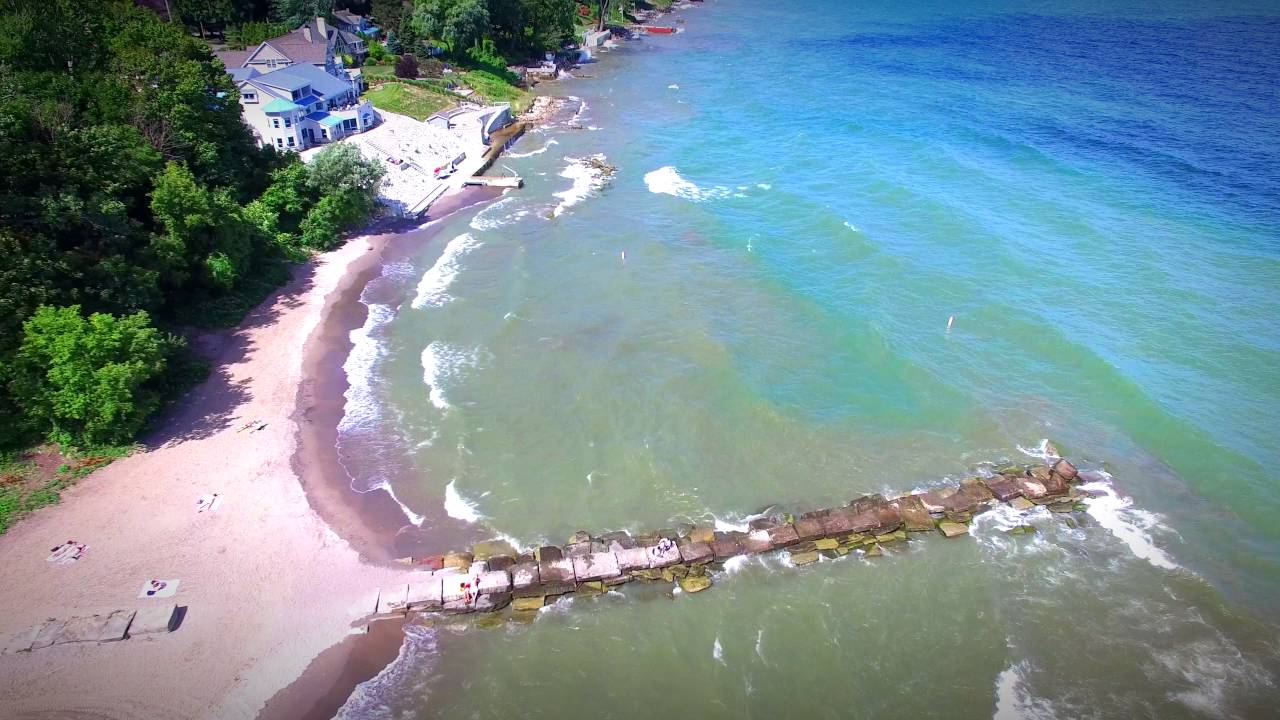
(308, 100)
(242, 74)
(331, 120)
(280, 105)
(298, 76)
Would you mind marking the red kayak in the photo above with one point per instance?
(659, 29)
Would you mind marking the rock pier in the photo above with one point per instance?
(493, 576)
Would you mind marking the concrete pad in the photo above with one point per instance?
(636, 558)
(525, 579)
(494, 581)
(108, 627)
(426, 595)
(595, 566)
(783, 535)
(153, 620)
(557, 576)
(953, 529)
(47, 633)
(392, 599)
(696, 552)
(663, 554)
(452, 590)
(21, 641)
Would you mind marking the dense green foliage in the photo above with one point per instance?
(252, 34)
(130, 188)
(513, 29)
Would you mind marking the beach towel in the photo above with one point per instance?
(67, 552)
(208, 502)
(159, 588)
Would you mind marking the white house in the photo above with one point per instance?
(299, 106)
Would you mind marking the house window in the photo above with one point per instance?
(288, 121)
(290, 141)
(279, 142)
(250, 97)
(275, 122)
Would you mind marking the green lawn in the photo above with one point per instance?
(416, 102)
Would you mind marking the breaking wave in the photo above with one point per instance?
(440, 363)
(587, 176)
(406, 675)
(458, 507)
(434, 286)
(531, 153)
(1130, 525)
(666, 180)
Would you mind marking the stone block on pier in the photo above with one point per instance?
(494, 581)
(915, 518)
(584, 548)
(490, 602)
(702, 534)
(1003, 487)
(557, 576)
(618, 540)
(839, 521)
(636, 558)
(725, 546)
(426, 595)
(694, 553)
(392, 599)
(1066, 470)
(783, 535)
(548, 552)
(595, 566)
(525, 579)
(665, 553)
(757, 541)
(808, 528)
(489, 548)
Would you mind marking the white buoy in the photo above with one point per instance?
(950, 321)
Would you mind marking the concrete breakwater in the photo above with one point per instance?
(493, 575)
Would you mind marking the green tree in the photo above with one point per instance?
(200, 14)
(457, 23)
(296, 12)
(89, 381)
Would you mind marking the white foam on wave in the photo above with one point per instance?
(458, 507)
(717, 651)
(406, 675)
(666, 180)
(764, 186)
(441, 363)
(1130, 525)
(1043, 452)
(1213, 668)
(539, 151)
(851, 226)
(587, 179)
(361, 409)
(673, 86)
(433, 288)
(497, 215)
(1014, 701)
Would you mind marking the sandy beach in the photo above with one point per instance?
(267, 583)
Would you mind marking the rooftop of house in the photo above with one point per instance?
(297, 76)
(280, 105)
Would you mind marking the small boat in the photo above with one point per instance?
(659, 29)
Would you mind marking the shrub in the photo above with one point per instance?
(89, 381)
(430, 68)
(407, 67)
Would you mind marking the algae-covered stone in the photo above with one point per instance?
(528, 603)
(524, 617)
(668, 575)
(1062, 507)
(804, 558)
(695, 583)
(826, 544)
(953, 529)
(1070, 523)
(582, 536)
(874, 551)
(1021, 504)
(679, 571)
(1079, 507)
(702, 534)
(648, 574)
(458, 560)
(592, 586)
(490, 622)
(489, 548)
(1021, 530)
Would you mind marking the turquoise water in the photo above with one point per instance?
(753, 310)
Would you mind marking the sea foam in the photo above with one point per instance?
(458, 507)
(1127, 523)
(433, 288)
(442, 362)
(667, 180)
(587, 179)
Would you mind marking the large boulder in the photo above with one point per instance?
(1066, 470)
(953, 529)
(665, 553)
(581, 536)
(694, 553)
(807, 557)
(556, 576)
(1004, 488)
(839, 521)
(694, 583)
(874, 514)
(458, 560)
(636, 558)
(618, 540)
(525, 579)
(757, 541)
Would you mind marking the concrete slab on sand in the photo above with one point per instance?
(46, 634)
(426, 594)
(21, 641)
(107, 627)
(153, 620)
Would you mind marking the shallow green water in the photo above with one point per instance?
(754, 309)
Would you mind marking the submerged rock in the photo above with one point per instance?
(489, 548)
(826, 544)
(582, 536)
(695, 583)
(874, 551)
(1020, 503)
(804, 558)
(702, 534)
(953, 529)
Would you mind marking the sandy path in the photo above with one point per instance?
(268, 585)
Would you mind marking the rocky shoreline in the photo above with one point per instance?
(493, 576)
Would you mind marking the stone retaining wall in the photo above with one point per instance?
(493, 575)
